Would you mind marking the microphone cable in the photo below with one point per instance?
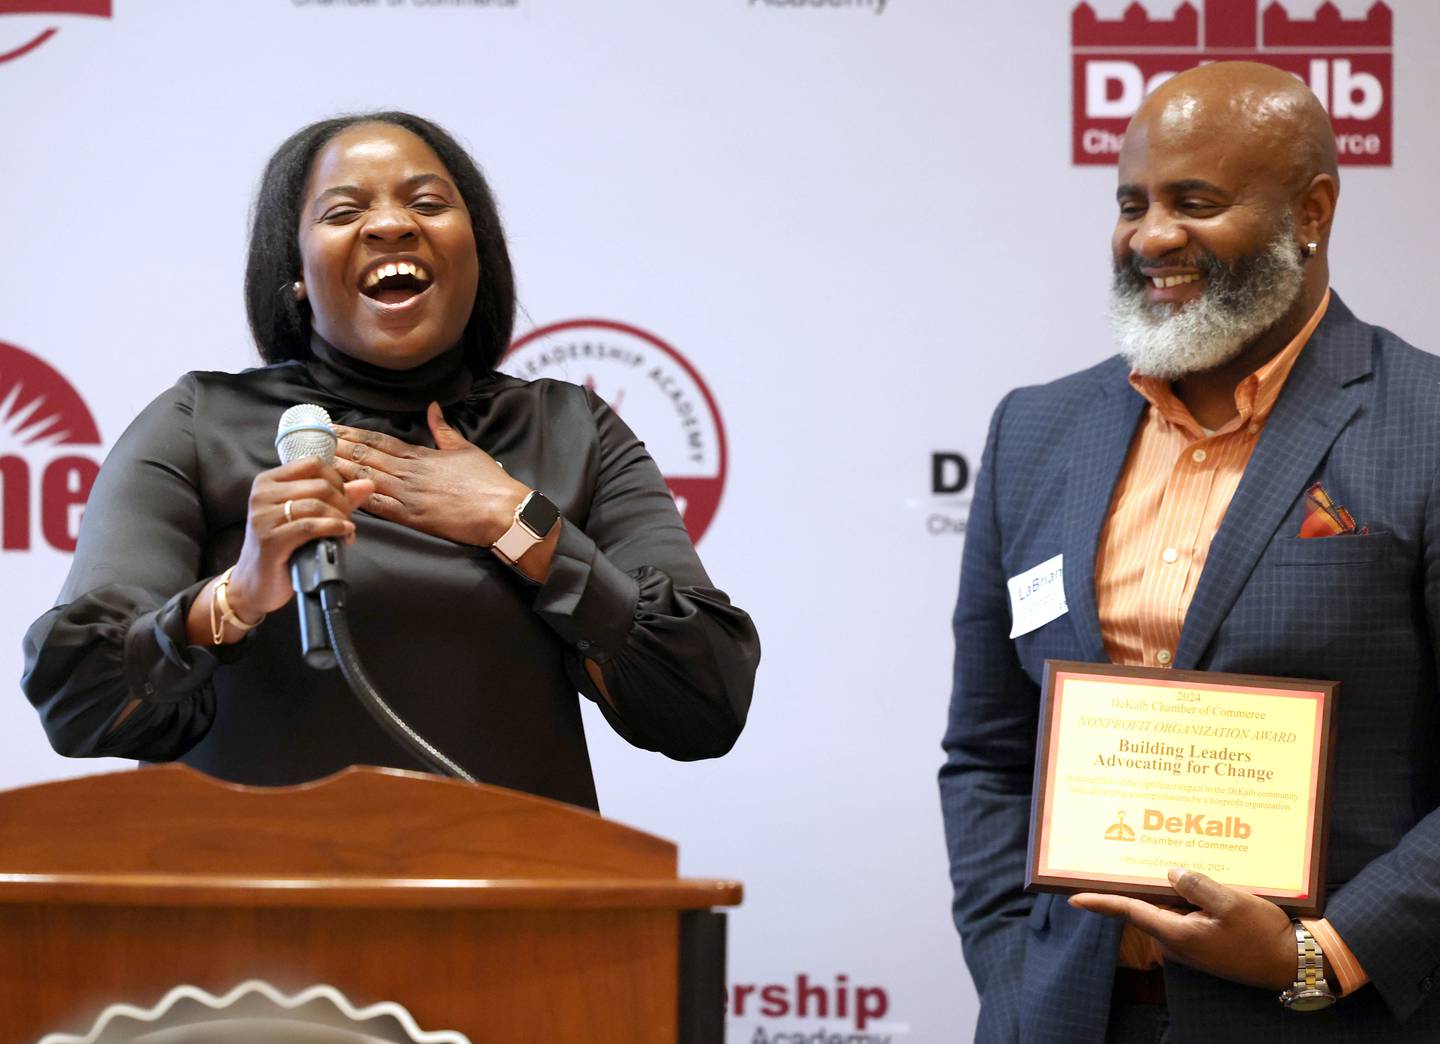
(337, 626)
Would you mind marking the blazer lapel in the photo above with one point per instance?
(1315, 405)
(1098, 452)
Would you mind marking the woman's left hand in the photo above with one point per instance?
(456, 491)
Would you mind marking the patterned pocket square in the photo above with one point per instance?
(1324, 517)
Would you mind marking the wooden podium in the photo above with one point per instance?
(485, 912)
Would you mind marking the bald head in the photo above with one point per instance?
(1256, 112)
(1226, 198)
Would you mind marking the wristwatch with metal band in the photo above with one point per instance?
(1310, 991)
(534, 519)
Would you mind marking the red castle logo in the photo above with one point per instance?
(1346, 62)
(40, 416)
(92, 8)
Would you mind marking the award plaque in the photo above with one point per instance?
(1140, 770)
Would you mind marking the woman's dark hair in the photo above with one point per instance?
(281, 324)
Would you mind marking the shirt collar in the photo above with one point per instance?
(444, 379)
(1255, 396)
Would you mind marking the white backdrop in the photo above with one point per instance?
(859, 223)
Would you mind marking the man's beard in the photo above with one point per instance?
(1239, 303)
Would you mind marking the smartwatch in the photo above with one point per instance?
(534, 519)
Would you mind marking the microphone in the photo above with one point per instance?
(317, 572)
(305, 431)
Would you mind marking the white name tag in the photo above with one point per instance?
(1037, 596)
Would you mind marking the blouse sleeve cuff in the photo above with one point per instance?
(586, 599)
(161, 666)
(1349, 976)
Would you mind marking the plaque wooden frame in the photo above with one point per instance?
(1309, 904)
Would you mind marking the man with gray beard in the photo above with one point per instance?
(1193, 493)
(1240, 302)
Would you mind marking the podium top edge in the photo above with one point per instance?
(360, 822)
(232, 891)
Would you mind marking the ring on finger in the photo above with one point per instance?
(288, 516)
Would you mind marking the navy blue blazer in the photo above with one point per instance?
(1360, 413)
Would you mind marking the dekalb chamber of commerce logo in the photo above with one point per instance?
(1346, 62)
(950, 480)
(1155, 820)
(1119, 830)
(31, 37)
(653, 388)
(43, 478)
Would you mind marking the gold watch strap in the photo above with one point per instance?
(1310, 970)
(1310, 991)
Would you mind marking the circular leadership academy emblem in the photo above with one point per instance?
(654, 388)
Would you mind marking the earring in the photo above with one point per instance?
(298, 289)
(1311, 249)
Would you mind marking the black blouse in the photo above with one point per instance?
(482, 662)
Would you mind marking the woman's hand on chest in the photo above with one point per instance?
(456, 491)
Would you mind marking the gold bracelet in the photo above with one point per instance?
(227, 615)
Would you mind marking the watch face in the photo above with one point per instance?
(539, 515)
(1310, 1000)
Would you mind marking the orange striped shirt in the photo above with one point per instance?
(1168, 504)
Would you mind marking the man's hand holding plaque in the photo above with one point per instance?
(1230, 932)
